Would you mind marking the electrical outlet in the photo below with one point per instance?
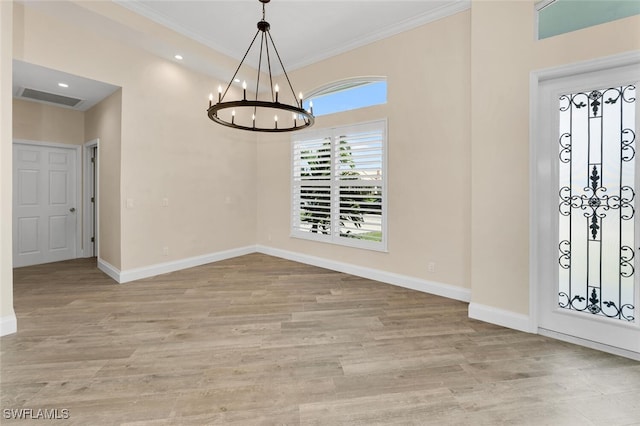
(431, 266)
(164, 202)
(165, 251)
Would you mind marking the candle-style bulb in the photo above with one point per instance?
(311, 107)
(233, 116)
(210, 99)
(244, 90)
(219, 93)
(277, 90)
(276, 120)
(244, 85)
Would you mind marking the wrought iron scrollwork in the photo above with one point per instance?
(605, 203)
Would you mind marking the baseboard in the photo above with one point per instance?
(176, 265)
(431, 287)
(500, 317)
(590, 344)
(109, 269)
(8, 324)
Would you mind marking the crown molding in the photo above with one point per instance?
(149, 13)
(406, 25)
(441, 12)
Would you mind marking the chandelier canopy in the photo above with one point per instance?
(262, 115)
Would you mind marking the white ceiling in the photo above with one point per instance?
(304, 32)
(30, 76)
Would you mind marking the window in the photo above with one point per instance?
(562, 16)
(346, 95)
(339, 185)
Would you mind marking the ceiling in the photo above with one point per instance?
(304, 32)
(35, 77)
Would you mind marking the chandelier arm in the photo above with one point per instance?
(266, 45)
(255, 109)
(240, 64)
(284, 70)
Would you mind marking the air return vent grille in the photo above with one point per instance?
(37, 95)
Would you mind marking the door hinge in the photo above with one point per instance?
(93, 159)
(93, 200)
(93, 239)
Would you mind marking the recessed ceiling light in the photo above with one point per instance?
(63, 85)
(237, 80)
(178, 57)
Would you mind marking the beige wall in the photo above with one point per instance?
(104, 122)
(36, 121)
(169, 149)
(47, 123)
(458, 114)
(7, 316)
(428, 113)
(503, 53)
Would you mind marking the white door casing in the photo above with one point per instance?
(45, 195)
(556, 316)
(91, 165)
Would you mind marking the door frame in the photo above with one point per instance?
(537, 167)
(76, 149)
(86, 198)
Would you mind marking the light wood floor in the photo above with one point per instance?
(261, 340)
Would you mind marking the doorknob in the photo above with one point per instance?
(72, 209)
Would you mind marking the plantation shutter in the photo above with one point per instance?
(338, 185)
(358, 170)
(312, 186)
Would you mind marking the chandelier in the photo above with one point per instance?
(261, 115)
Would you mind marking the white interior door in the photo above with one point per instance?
(587, 211)
(44, 203)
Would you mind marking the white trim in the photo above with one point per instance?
(8, 324)
(431, 287)
(166, 267)
(500, 317)
(542, 4)
(109, 269)
(592, 65)
(79, 210)
(86, 203)
(590, 344)
(341, 85)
